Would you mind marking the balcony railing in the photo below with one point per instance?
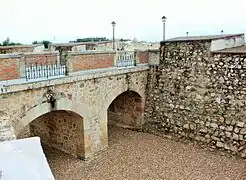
(125, 59)
(37, 71)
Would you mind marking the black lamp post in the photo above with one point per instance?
(164, 28)
(222, 32)
(113, 25)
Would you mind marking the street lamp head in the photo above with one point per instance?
(163, 18)
(113, 23)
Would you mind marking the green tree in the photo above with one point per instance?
(44, 42)
(35, 42)
(92, 39)
(7, 42)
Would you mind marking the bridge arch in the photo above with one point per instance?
(61, 128)
(126, 110)
(44, 108)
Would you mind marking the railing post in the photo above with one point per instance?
(68, 64)
(116, 57)
(22, 67)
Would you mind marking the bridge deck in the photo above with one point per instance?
(23, 84)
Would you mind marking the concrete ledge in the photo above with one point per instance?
(228, 52)
(40, 53)
(24, 159)
(5, 56)
(73, 77)
(90, 52)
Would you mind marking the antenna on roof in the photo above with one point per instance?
(222, 32)
(187, 33)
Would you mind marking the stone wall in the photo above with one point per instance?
(199, 96)
(126, 110)
(60, 129)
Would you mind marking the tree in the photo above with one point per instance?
(44, 42)
(7, 42)
(92, 39)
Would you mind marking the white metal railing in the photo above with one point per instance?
(125, 59)
(44, 71)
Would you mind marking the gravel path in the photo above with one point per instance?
(133, 155)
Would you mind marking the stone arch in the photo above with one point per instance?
(61, 128)
(115, 93)
(126, 110)
(44, 108)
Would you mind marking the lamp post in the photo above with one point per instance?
(164, 30)
(113, 25)
(222, 32)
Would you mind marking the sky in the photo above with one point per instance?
(25, 21)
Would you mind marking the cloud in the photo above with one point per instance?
(28, 20)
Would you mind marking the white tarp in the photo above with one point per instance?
(24, 160)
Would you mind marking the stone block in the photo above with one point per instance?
(240, 124)
(220, 144)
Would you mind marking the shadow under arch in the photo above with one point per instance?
(61, 128)
(44, 108)
(126, 110)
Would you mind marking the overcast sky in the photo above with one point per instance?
(28, 20)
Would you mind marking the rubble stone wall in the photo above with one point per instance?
(198, 95)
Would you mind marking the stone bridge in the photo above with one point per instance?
(193, 88)
(72, 113)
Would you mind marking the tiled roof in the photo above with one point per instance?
(197, 38)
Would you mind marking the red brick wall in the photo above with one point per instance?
(9, 68)
(143, 57)
(31, 59)
(91, 61)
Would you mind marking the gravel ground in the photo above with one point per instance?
(135, 155)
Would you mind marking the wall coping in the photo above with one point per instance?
(154, 50)
(40, 53)
(9, 56)
(21, 54)
(89, 52)
(21, 84)
(228, 52)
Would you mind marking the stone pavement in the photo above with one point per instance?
(135, 155)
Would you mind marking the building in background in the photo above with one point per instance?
(21, 48)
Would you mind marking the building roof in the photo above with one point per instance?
(20, 46)
(79, 43)
(202, 38)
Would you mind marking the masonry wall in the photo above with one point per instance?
(142, 56)
(9, 68)
(60, 129)
(40, 58)
(86, 61)
(198, 96)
